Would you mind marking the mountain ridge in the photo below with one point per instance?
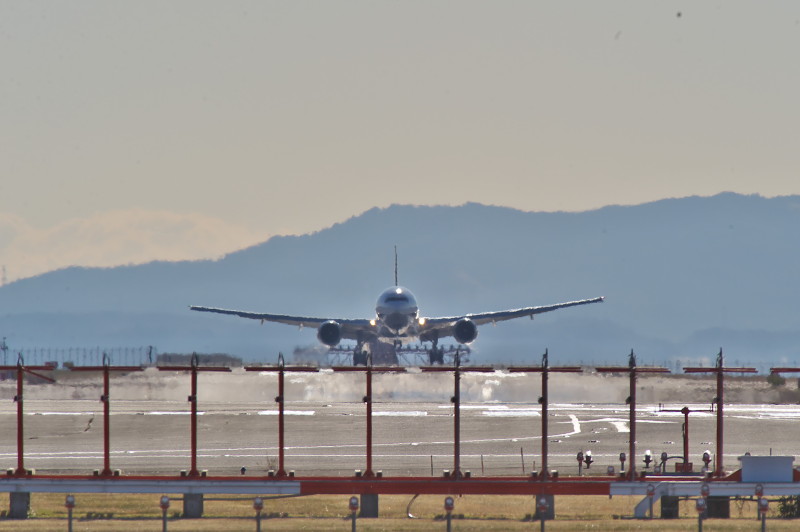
(673, 271)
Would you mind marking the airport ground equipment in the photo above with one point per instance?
(449, 504)
(632, 370)
(687, 466)
(353, 505)
(69, 503)
(720, 370)
(258, 505)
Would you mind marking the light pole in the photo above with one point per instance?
(353, 511)
(449, 504)
(258, 505)
(542, 507)
(700, 506)
(164, 503)
(70, 504)
(651, 492)
(759, 491)
(763, 506)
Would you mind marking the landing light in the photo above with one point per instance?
(372, 323)
(422, 321)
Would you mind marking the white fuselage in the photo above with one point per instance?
(397, 313)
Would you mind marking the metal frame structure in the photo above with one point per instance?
(685, 411)
(720, 370)
(106, 368)
(632, 370)
(545, 370)
(195, 368)
(21, 370)
(370, 482)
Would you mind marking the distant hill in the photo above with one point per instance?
(682, 277)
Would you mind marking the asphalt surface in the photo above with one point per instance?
(63, 430)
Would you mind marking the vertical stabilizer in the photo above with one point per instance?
(395, 266)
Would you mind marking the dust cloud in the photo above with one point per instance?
(242, 387)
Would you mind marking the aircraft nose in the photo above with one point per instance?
(396, 321)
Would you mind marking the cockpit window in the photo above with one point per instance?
(402, 298)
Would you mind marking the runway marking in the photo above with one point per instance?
(576, 428)
(410, 413)
(511, 413)
(621, 426)
(286, 412)
(174, 413)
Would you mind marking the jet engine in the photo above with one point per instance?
(330, 333)
(465, 331)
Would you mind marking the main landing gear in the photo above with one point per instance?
(360, 355)
(435, 353)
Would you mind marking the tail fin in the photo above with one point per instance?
(395, 266)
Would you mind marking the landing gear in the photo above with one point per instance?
(436, 353)
(360, 355)
(360, 358)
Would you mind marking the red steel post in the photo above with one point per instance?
(685, 411)
(194, 368)
(21, 370)
(106, 368)
(20, 422)
(368, 400)
(632, 422)
(279, 399)
(719, 461)
(720, 370)
(632, 371)
(106, 420)
(193, 472)
(545, 369)
(544, 402)
(457, 417)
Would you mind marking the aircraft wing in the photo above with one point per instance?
(350, 327)
(502, 315)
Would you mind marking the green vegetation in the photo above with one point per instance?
(117, 512)
(775, 379)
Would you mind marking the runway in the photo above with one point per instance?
(412, 422)
(151, 436)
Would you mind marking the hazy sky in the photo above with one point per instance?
(131, 131)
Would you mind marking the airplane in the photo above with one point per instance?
(397, 322)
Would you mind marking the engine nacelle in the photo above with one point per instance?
(465, 331)
(330, 333)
